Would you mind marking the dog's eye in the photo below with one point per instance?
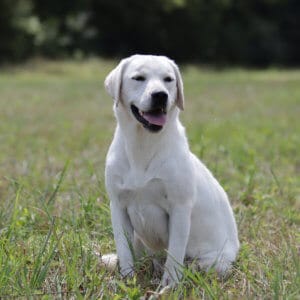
(139, 78)
(168, 79)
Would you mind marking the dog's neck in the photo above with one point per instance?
(140, 144)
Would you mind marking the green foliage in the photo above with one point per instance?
(220, 32)
(15, 40)
(56, 126)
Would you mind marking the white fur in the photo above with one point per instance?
(162, 196)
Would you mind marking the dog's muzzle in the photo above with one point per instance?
(155, 118)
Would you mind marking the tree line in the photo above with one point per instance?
(245, 32)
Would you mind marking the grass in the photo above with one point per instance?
(56, 124)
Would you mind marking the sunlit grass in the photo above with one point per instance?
(56, 124)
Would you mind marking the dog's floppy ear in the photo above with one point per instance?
(113, 81)
(179, 83)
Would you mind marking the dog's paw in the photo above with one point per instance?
(220, 265)
(127, 271)
(169, 281)
(109, 261)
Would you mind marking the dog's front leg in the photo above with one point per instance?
(123, 234)
(179, 230)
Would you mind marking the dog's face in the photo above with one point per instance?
(148, 87)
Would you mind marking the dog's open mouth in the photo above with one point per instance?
(153, 120)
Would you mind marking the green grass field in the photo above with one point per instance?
(56, 123)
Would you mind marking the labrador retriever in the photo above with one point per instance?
(162, 197)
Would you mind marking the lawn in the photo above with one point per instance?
(56, 124)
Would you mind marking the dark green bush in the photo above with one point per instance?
(249, 32)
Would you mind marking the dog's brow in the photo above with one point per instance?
(139, 72)
(147, 73)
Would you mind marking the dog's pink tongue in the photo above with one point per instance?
(159, 119)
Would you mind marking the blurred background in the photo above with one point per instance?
(255, 33)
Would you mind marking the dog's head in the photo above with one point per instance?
(148, 86)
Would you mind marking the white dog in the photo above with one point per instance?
(161, 195)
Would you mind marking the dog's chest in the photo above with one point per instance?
(146, 202)
(141, 189)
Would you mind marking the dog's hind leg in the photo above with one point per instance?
(220, 262)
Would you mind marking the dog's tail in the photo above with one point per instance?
(109, 261)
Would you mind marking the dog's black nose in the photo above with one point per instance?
(159, 99)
